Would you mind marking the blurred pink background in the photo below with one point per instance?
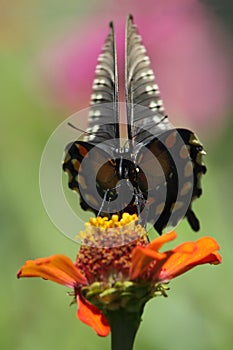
(189, 51)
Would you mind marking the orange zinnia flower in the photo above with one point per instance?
(124, 277)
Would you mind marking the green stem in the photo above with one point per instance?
(124, 326)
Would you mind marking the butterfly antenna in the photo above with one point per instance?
(84, 131)
(160, 121)
(75, 127)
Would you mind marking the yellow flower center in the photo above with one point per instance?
(106, 253)
(109, 233)
(114, 221)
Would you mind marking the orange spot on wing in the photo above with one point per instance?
(82, 182)
(82, 150)
(76, 164)
(184, 152)
(186, 188)
(188, 169)
(170, 140)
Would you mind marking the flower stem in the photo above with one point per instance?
(124, 326)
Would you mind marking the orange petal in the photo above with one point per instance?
(213, 258)
(188, 255)
(157, 243)
(92, 316)
(141, 258)
(57, 268)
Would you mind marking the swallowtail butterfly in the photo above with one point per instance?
(156, 170)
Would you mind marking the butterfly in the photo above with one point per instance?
(143, 165)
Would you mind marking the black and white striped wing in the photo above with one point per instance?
(145, 109)
(103, 121)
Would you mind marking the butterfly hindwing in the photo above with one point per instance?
(90, 173)
(196, 152)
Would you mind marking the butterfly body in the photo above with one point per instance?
(155, 171)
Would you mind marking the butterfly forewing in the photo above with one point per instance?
(104, 115)
(146, 111)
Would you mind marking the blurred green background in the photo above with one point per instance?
(198, 314)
